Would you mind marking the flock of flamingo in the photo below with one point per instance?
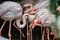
(35, 15)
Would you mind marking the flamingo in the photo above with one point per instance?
(30, 11)
(45, 19)
(25, 16)
(9, 11)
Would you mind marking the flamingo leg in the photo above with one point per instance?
(48, 33)
(18, 29)
(27, 30)
(2, 27)
(9, 33)
(20, 34)
(23, 34)
(31, 38)
(31, 34)
(43, 34)
(15, 26)
(27, 33)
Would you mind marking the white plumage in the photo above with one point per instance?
(10, 10)
(45, 16)
(39, 7)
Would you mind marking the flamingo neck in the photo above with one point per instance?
(24, 21)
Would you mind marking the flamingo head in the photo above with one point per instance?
(36, 21)
(29, 9)
(32, 11)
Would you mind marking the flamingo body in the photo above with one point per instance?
(10, 10)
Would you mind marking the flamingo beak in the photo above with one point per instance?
(32, 11)
(31, 25)
(37, 21)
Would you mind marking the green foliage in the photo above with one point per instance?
(53, 8)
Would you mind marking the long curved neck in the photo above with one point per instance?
(24, 21)
(27, 5)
